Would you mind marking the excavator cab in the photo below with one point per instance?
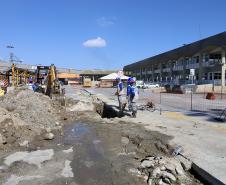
(46, 77)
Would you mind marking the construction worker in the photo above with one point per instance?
(133, 96)
(128, 93)
(119, 94)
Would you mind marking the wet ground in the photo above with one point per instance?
(100, 156)
(91, 151)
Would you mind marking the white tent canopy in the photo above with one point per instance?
(113, 76)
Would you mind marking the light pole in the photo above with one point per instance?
(11, 55)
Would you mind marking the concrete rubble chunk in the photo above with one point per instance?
(170, 167)
(24, 143)
(160, 182)
(48, 129)
(166, 180)
(156, 172)
(186, 164)
(150, 158)
(67, 170)
(163, 168)
(2, 139)
(149, 181)
(36, 157)
(124, 140)
(49, 136)
(147, 164)
(168, 175)
(179, 170)
(135, 171)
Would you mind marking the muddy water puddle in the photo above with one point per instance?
(97, 155)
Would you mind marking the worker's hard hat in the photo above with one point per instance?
(129, 79)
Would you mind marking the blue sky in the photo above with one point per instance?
(103, 34)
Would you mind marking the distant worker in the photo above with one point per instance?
(119, 93)
(128, 93)
(133, 96)
(30, 85)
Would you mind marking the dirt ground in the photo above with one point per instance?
(85, 149)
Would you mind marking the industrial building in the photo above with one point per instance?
(200, 62)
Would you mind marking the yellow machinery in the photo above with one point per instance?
(19, 76)
(87, 82)
(46, 77)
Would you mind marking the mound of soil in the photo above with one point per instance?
(24, 114)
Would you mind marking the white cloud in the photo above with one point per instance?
(105, 22)
(95, 43)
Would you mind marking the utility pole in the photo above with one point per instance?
(11, 55)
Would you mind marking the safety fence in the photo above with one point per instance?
(187, 102)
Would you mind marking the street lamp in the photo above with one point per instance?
(11, 55)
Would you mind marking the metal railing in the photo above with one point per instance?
(190, 101)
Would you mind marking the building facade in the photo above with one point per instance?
(199, 62)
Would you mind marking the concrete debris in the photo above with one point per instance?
(2, 139)
(14, 180)
(169, 176)
(24, 143)
(185, 164)
(48, 130)
(171, 168)
(147, 164)
(162, 170)
(67, 171)
(166, 180)
(160, 182)
(179, 170)
(124, 140)
(49, 136)
(135, 171)
(149, 181)
(37, 157)
(156, 173)
(68, 150)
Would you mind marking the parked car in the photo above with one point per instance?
(150, 85)
(140, 84)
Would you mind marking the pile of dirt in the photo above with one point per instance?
(24, 114)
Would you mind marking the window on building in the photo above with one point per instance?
(211, 76)
(205, 57)
(217, 76)
(206, 76)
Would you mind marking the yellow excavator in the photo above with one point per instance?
(46, 78)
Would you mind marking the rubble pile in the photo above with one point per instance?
(163, 171)
(24, 114)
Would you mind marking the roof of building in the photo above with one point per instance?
(5, 66)
(68, 75)
(96, 72)
(113, 76)
(187, 50)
